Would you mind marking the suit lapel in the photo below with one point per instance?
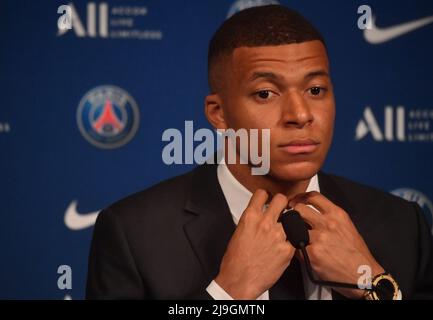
(330, 189)
(211, 225)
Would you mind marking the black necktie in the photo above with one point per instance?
(290, 285)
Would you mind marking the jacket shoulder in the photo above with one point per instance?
(366, 190)
(155, 202)
(368, 198)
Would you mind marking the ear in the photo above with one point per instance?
(214, 111)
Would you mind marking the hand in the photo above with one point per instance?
(336, 248)
(258, 252)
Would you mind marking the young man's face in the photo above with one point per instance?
(287, 89)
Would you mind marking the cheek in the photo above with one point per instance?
(324, 118)
(243, 113)
(326, 121)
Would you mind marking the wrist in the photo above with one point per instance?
(376, 270)
(384, 287)
(237, 289)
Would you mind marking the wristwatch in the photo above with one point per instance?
(384, 287)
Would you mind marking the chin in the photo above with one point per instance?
(295, 171)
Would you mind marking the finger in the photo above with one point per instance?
(324, 238)
(314, 236)
(278, 204)
(291, 250)
(296, 199)
(317, 200)
(310, 216)
(282, 234)
(258, 200)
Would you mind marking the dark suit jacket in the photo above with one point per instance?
(167, 242)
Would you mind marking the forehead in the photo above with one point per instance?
(293, 58)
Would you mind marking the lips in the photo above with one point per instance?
(300, 146)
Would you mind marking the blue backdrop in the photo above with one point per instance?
(147, 59)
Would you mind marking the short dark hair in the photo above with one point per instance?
(255, 27)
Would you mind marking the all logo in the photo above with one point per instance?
(108, 117)
(100, 20)
(399, 125)
(393, 129)
(92, 30)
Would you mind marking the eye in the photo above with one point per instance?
(264, 94)
(315, 91)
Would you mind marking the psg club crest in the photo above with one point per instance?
(108, 117)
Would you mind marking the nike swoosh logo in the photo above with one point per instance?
(78, 221)
(377, 35)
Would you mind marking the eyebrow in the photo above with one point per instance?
(273, 77)
(266, 75)
(316, 73)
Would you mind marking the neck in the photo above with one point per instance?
(242, 173)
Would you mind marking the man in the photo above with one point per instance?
(214, 232)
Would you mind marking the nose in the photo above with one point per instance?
(296, 111)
